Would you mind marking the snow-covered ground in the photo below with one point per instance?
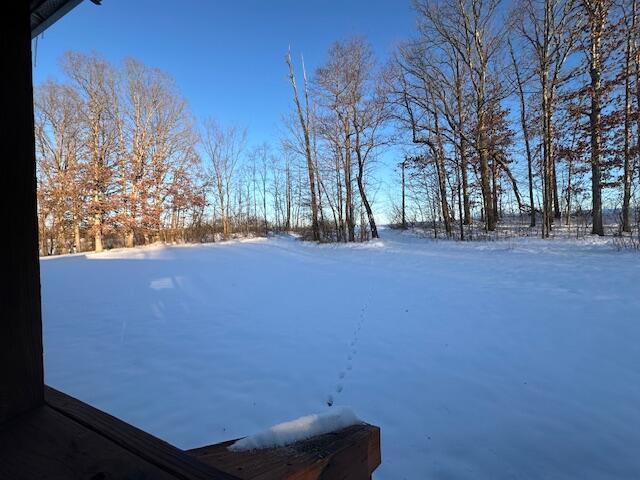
(504, 360)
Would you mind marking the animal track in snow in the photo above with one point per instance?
(352, 352)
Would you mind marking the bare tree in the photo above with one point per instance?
(630, 31)
(304, 119)
(472, 29)
(521, 81)
(223, 147)
(95, 81)
(550, 28)
(60, 169)
(597, 12)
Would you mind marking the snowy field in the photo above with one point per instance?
(506, 360)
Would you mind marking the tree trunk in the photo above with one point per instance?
(556, 197)
(525, 134)
(547, 196)
(98, 241)
(494, 185)
(637, 92)
(462, 150)
(404, 216)
(490, 221)
(348, 184)
(628, 172)
(363, 195)
(442, 185)
(315, 228)
(569, 187)
(76, 236)
(97, 225)
(460, 208)
(597, 19)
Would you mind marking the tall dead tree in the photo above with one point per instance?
(303, 118)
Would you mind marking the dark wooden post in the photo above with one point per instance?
(21, 374)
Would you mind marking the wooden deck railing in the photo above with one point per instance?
(66, 438)
(352, 453)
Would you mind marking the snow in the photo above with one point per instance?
(301, 428)
(498, 360)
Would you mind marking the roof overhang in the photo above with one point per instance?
(45, 13)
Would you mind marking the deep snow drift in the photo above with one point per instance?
(499, 360)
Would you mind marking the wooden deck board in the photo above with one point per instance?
(141, 444)
(44, 444)
(352, 453)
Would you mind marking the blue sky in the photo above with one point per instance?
(228, 56)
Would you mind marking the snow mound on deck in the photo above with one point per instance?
(298, 429)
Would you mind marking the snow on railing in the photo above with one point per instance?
(299, 429)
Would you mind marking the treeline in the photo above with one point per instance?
(122, 162)
(529, 107)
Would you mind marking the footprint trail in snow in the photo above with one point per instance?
(353, 351)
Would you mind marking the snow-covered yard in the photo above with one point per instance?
(499, 360)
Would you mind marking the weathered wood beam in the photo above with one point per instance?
(352, 453)
(21, 373)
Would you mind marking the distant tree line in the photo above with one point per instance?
(528, 110)
(529, 107)
(122, 162)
